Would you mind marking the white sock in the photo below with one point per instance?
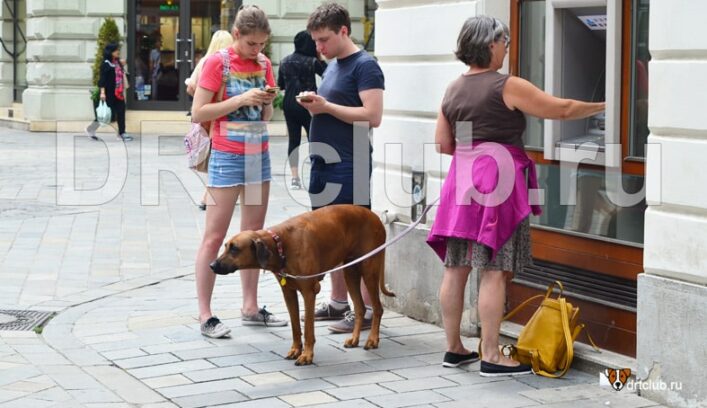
(369, 313)
(338, 305)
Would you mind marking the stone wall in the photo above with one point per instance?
(61, 45)
(672, 293)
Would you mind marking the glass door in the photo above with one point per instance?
(155, 54)
(165, 40)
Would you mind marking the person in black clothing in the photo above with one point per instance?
(112, 87)
(297, 74)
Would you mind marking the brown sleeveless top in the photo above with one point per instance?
(478, 99)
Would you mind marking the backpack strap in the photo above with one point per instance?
(263, 61)
(225, 74)
(526, 302)
(578, 329)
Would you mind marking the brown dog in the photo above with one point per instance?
(306, 245)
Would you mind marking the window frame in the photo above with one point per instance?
(624, 260)
(616, 326)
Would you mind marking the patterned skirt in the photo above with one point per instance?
(512, 257)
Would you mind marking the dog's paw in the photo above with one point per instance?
(350, 343)
(371, 344)
(294, 353)
(304, 359)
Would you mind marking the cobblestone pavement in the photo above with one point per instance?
(117, 268)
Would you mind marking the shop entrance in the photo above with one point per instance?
(166, 39)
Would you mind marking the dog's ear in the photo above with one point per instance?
(262, 253)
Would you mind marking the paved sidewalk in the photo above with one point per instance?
(120, 277)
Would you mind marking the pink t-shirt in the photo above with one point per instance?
(241, 131)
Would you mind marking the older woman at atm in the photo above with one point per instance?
(482, 222)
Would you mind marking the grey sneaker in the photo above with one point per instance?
(346, 324)
(214, 328)
(263, 318)
(125, 137)
(296, 184)
(326, 312)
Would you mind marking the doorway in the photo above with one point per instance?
(166, 39)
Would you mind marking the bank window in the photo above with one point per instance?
(531, 66)
(531, 61)
(638, 128)
(591, 213)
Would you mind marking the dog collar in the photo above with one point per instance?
(281, 254)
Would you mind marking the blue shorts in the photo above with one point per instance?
(231, 169)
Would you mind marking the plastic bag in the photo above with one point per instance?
(103, 113)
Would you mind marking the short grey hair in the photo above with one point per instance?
(475, 37)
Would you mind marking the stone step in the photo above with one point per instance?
(13, 123)
(136, 122)
(585, 358)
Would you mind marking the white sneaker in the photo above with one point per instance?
(263, 318)
(214, 328)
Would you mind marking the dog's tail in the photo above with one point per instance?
(385, 290)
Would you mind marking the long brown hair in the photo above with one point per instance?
(251, 19)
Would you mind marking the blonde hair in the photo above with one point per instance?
(220, 40)
(251, 19)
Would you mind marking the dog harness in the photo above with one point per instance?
(281, 254)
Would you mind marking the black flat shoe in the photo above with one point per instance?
(497, 370)
(455, 360)
(202, 206)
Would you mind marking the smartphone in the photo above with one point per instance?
(304, 98)
(274, 89)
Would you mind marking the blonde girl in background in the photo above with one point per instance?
(220, 40)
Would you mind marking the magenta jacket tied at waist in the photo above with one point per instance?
(482, 200)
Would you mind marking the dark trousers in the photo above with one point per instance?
(117, 110)
(296, 119)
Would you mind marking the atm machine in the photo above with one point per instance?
(583, 61)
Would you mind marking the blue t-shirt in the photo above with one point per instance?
(341, 83)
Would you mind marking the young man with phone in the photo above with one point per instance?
(351, 91)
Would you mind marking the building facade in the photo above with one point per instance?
(623, 224)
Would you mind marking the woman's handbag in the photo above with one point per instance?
(546, 341)
(197, 141)
(103, 113)
(198, 146)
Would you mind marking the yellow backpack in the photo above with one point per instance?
(546, 341)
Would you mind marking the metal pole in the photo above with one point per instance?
(15, 22)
